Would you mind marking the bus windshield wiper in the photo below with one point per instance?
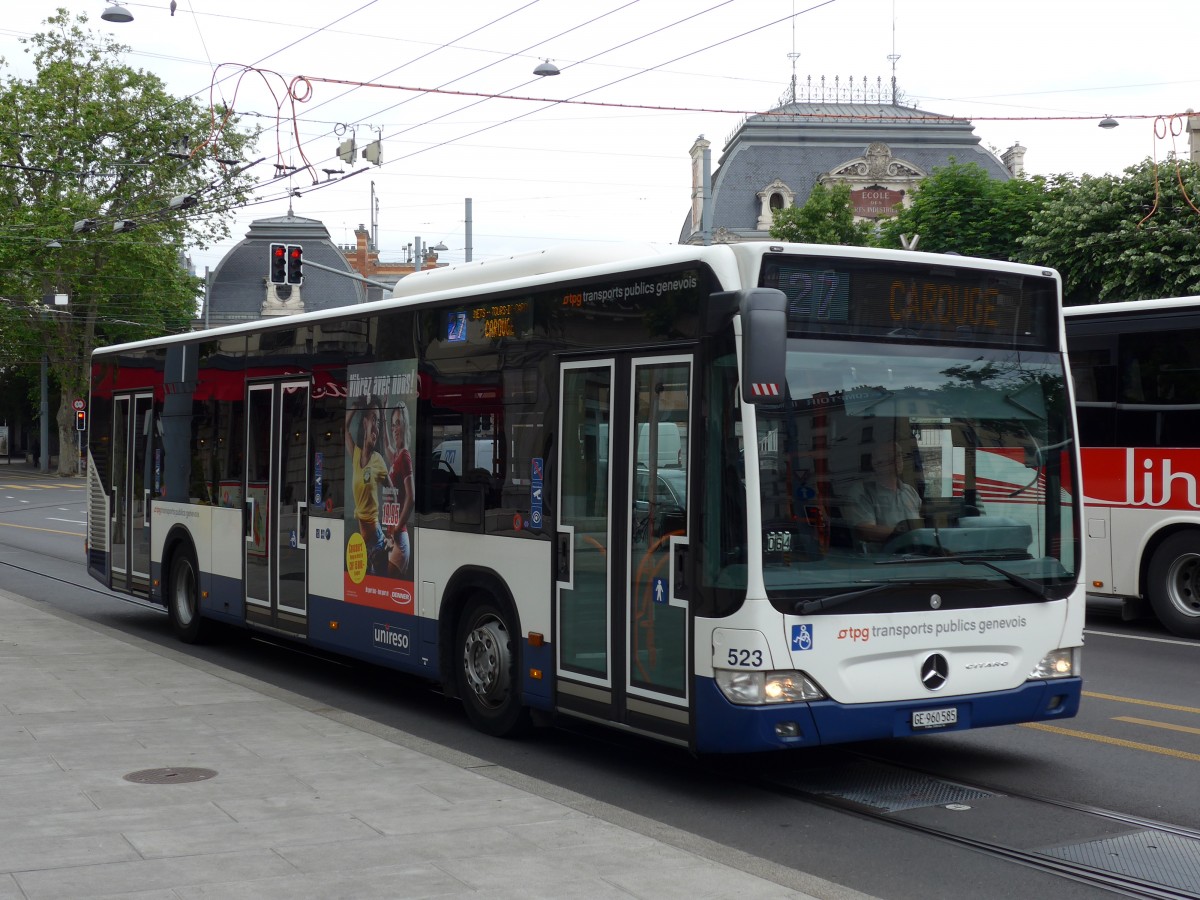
(804, 607)
(1012, 577)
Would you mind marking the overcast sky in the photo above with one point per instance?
(1041, 72)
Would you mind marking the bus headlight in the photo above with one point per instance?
(1063, 663)
(749, 688)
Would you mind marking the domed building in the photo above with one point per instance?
(855, 134)
(240, 289)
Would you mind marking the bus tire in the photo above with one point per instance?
(183, 598)
(487, 657)
(1174, 583)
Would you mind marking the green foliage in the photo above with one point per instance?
(88, 137)
(1133, 236)
(962, 209)
(827, 218)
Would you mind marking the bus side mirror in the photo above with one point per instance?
(764, 345)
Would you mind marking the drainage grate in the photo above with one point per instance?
(179, 775)
(880, 787)
(1156, 857)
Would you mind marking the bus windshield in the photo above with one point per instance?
(887, 463)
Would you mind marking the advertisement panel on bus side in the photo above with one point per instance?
(1140, 477)
(381, 402)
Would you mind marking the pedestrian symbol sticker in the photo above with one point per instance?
(659, 587)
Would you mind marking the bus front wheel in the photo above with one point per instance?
(1174, 584)
(183, 598)
(486, 668)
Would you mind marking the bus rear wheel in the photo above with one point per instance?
(1174, 584)
(486, 668)
(183, 598)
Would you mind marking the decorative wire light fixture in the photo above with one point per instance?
(1109, 122)
(117, 13)
(546, 68)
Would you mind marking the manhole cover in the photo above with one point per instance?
(170, 776)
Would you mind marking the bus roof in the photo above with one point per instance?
(732, 263)
(1132, 307)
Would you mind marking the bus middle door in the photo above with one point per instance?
(276, 506)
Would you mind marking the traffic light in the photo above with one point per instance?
(279, 264)
(295, 264)
(80, 420)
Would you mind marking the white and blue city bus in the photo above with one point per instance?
(654, 517)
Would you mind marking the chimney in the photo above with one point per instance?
(1014, 159)
(362, 236)
(1193, 128)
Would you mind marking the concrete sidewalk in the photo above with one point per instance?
(306, 801)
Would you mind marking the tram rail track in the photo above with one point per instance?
(1141, 857)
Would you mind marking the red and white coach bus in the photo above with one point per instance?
(1136, 367)
(629, 486)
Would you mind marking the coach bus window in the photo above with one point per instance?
(1093, 365)
(1160, 387)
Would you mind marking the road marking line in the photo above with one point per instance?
(1116, 742)
(40, 486)
(47, 530)
(71, 521)
(1141, 637)
(1150, 723)
(1136, 702)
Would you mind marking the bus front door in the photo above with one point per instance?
(621, 613)
(133, 474)
(276, 506)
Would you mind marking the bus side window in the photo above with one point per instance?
(1158, 374)
(1093, 365)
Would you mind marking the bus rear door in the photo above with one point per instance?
(132, 476)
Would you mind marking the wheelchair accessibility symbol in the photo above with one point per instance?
(802, 637)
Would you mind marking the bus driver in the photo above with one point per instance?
(883, 501)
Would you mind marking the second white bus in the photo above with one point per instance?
(1137, 390)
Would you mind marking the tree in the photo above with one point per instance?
(91, 161)
(960, 208)
(1133, 236)
(826, 218)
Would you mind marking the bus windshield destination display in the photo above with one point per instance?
(844, 297)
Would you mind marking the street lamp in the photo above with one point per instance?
(1108, 122)
(117, 13)
(546, 68)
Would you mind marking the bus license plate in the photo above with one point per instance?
(935, 718)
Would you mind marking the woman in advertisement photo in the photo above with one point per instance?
(368, 474)
(401, 478)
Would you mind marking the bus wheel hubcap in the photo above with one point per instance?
(486, 661)
(1183, 584)
(183, 597)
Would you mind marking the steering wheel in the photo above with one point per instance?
(904, 526)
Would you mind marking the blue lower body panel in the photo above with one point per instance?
(723, 727)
